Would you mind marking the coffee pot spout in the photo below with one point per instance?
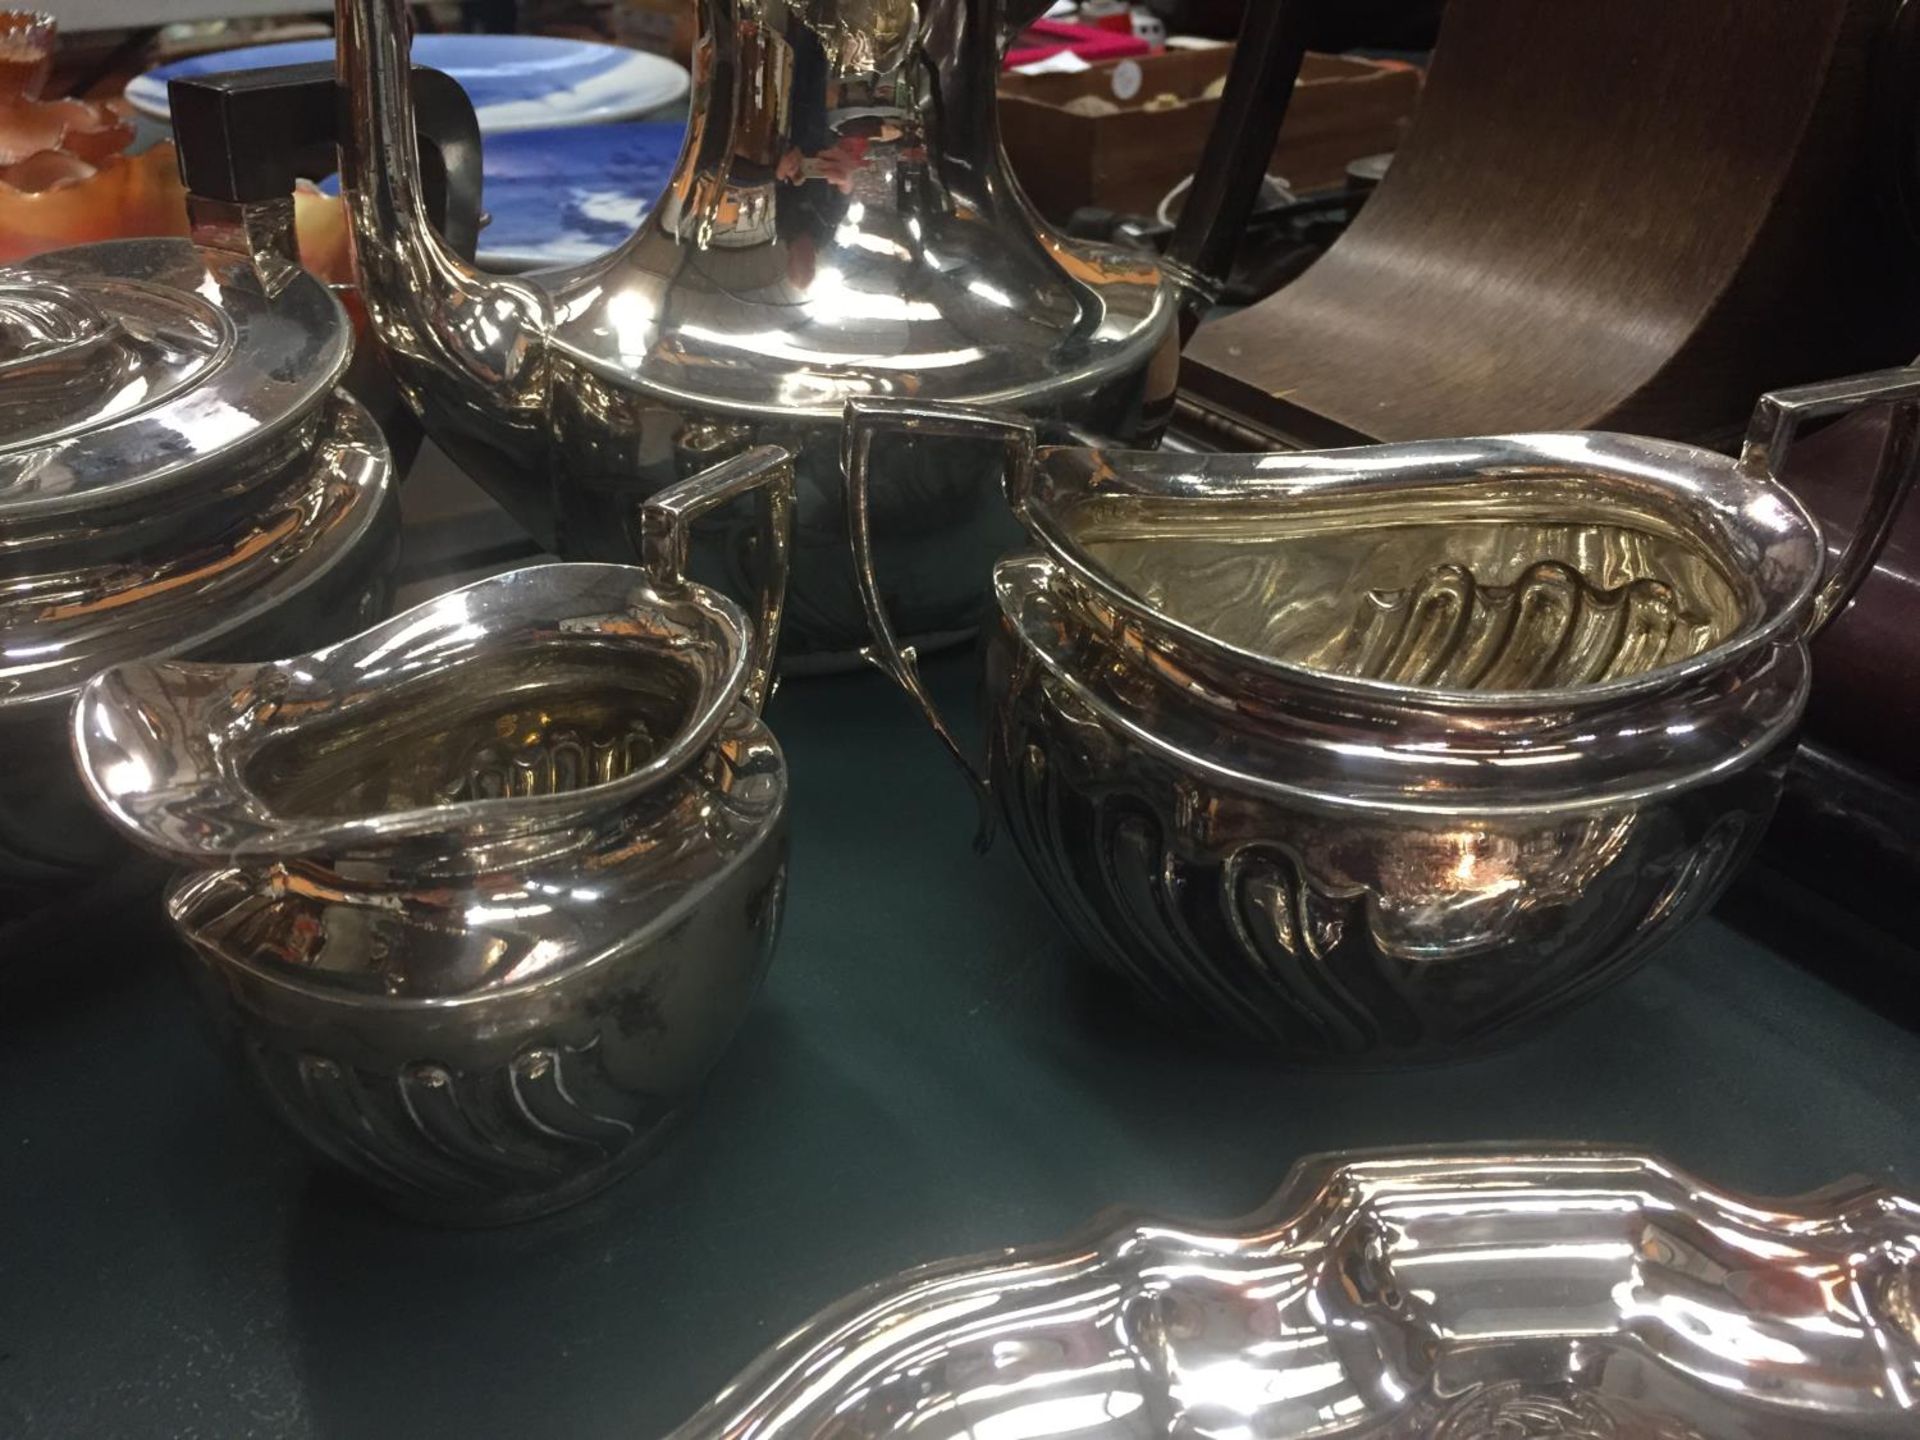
(468, 348)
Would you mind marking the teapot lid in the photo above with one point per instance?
(132, 368)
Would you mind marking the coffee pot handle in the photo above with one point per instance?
(1266, 65)
(244, 137)
(866, 420)
(666, 520)
(1777, 422)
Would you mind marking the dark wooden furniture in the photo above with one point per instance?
(1128, 160)
(1635, 215)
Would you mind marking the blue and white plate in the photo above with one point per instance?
(557, 197)
(516, 82)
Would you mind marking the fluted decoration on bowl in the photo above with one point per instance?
(1388, 753)
(1343, 938)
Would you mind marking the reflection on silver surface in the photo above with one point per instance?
(1570, 1293)
(182, 366)
(193, 575)
(481, 894)
(1387, 753)
(841, 224)
(178, 476)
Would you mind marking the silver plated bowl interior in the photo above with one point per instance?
(1580, 567)
(496, 710)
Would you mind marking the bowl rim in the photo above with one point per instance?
(1021, 581)
(310, 988)
(1761, 512)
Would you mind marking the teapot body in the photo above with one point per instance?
(940, 520)
(841, 226)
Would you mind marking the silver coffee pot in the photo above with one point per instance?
(842, 225)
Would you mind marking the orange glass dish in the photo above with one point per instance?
(66, 177)
(26, 51)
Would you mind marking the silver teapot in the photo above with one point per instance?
(480, 895)
(842, 224)
(1389, 753)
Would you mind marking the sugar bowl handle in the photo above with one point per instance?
(667, 518)
(865, 421)
(1776, 424)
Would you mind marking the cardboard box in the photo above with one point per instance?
(1126, 161)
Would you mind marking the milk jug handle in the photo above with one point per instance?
(666, 520)
(865, 421)
(1777, 422)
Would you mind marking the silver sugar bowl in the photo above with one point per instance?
(180, 475)
(1388, 753)
(480, 895)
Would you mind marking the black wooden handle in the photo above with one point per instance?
(245, 136)
(1266, 64)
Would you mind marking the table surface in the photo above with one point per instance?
(930, 1070)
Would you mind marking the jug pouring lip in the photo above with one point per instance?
(169, 750)
(1757, 533)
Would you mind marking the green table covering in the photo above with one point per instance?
(930, 1070)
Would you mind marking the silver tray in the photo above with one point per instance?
(1573, 1293)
